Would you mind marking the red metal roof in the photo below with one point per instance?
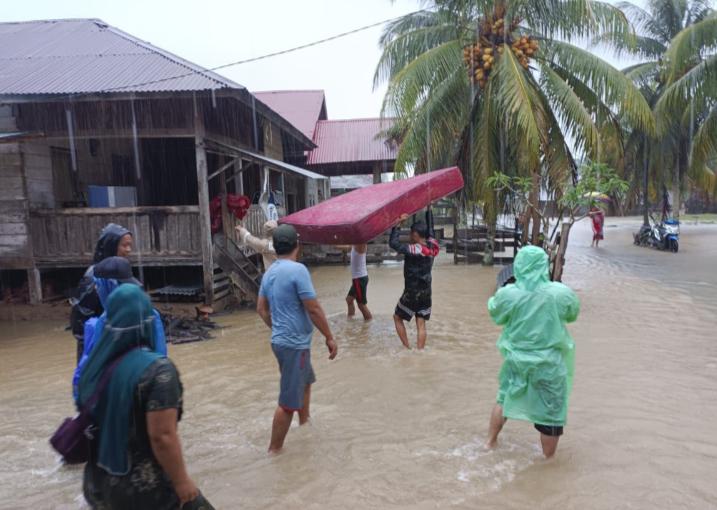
(303, 108)
(343, 141)
(89, 56)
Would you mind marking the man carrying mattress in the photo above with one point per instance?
(418, 263)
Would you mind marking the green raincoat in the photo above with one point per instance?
(539, 353)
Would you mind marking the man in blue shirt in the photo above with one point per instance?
(288, 305)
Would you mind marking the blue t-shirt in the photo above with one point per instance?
(286, 284)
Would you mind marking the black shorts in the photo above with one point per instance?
(549, 430)
(414, 302)
(358, 289)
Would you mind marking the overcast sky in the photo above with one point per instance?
(215, 32)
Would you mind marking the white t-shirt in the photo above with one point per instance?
(358, 264)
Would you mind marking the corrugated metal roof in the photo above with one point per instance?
(344, 141)
(285, 166)
(303, 108)
(89, 56)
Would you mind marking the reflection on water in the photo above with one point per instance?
(399, 429)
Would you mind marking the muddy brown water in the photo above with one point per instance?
(396, 429)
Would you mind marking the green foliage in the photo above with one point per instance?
(595, 179)
(522, 121)
(678, 40)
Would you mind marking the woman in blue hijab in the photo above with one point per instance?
(136, 457)
(108, 275)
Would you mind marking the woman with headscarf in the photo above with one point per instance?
(136, 457)
(538, 352)
(114, 240)
(108, 275)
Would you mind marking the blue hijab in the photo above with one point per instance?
(128, 330)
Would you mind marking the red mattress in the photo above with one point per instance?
(363, 214)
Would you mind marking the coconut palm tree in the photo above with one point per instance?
(665, 38)
(691, 96)
(499, 86)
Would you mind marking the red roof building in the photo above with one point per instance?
(352, 147)
(303, 108)
(344, 147)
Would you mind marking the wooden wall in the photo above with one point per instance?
(15, 252)
(163, 236)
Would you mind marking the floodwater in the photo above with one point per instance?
(395, 429)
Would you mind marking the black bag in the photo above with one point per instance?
(72, 438)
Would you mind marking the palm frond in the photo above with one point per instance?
(402, 44)
(704, 144)
(702, 77)
(691, 44)
(607, 82)
(409, 87)
(572, 19)
(516, 95)
(572, 112)
(641, 46)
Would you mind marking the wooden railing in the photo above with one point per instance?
(163, 235)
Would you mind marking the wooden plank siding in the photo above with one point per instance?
(15, 250)
(163, 236)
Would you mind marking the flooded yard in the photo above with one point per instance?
(399, 429)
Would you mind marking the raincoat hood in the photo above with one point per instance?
(531, 268)
(269, 228)
(109, 240)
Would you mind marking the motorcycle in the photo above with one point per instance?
(664, 235)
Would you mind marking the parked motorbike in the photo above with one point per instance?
(664, 235)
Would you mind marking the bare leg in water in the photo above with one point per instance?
(279, 429)
(422, 335)
(304, 414)
(365, 312)
(497, 420)
(496, 425)
(549, 444)
(282, 422)
(401, 330)
(350, 303)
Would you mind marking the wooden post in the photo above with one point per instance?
(226, 219)
(455, 229)
(377, 174)
(205, 224)
(239, 176)
(559, 263)
(34, 284)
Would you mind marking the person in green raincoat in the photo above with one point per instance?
(538, 352)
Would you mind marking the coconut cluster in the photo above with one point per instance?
(481, 56)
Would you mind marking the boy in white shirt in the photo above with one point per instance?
(359, 282)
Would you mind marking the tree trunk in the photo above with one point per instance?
(489, 253)
(534, 211)
(646, 184)
(559, 263)
(456, 203)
